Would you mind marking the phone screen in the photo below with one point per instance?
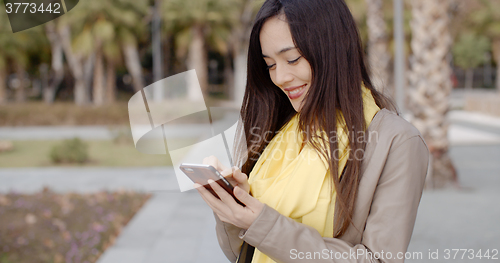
(201, 173)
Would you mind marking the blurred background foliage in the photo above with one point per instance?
(101, 51)
(82, 68)
(70, 151)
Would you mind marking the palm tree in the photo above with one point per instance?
(238, 45)
(3, 76)
(102, 30)
(378, 46)
(359, 10)
(111, 51)
(130, 30)
(57, 66)
(195, 21)
(3, 56)
(75, 61)
(430, 83)
(14, 57)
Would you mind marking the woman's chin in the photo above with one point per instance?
(296, 104)
(296, 107)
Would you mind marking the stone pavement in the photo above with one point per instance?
(179, 227)
(88, 180)
(466, 218)
(172, 227)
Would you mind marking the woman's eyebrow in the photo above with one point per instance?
(281, 51)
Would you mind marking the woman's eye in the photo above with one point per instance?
(270, 66)
(294, 61)
(290, 62)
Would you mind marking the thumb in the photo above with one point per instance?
(250, 202)
(226, 172)
(239, 176)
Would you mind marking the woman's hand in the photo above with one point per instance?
(226, 208)
(233, 175)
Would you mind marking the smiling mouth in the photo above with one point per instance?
(296, 92)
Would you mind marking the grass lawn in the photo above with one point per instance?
(101, 152)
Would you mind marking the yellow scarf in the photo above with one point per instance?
(297, 183)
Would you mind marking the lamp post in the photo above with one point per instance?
(156, 42)
(399, 55)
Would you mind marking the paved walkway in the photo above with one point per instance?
(171, 227)
(179, 227)
(466, 218)
(88, 180)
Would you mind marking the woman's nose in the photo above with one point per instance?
(282, 75)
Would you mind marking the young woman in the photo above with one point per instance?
(334, 174)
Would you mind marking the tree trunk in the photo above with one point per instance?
(469, 78)
(75, 65)
(133, 64)
(56, 47)
(168, 61)
(20, 90)
(47, 93)
(496, 57)
(3, 86)
(88, 74)
(378, 47)
(240, 36)
(488, 70)
(498, 75)
(430, 83)
(98, 85)
(167, 55)
(197, 60)
(228, 75)
(110, 82)
(240, 74)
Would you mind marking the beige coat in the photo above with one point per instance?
(393, 174)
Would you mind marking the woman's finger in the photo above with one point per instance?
(220, 165)
(241, 178)
(228, 174)
(220, 206)
(250, 202)
(238, 175)
(227, 171)
(212, 201)
(204, 193)
(224, 196)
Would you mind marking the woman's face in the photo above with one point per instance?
(287, 68)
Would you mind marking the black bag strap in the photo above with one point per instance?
(246, 253)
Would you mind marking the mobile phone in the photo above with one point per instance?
(200, 173)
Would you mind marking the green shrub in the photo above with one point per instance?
(121, 135)
(70, 151)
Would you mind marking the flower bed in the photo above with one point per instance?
(50, 227)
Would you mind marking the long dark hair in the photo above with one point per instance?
(326, 35)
